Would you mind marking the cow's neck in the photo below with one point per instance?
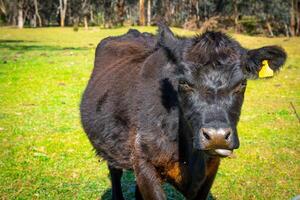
(185, 140)
(194, 160)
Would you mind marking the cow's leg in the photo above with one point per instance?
(212, 169)
(116, 175)
(138, 195)
(148, 181)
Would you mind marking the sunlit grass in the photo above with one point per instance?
(45, 154)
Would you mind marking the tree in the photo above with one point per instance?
(62, 11)
(48, 11)
(236, 16)
(142, 12)
(294, 17)
(297, 8)
(148, 12)
(20, 14)
(85, 12)
(120, 12)
(37, 13)
(107, 14)
(272, 17)
(2, 7)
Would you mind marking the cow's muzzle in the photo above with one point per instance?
(218, 141)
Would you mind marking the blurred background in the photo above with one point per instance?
(47, 50)
(267, 17)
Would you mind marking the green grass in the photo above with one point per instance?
(44, 153)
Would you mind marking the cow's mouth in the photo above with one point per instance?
(220, 152)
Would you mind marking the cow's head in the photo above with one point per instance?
(211, 72)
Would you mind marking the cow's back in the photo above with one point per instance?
(105, 111)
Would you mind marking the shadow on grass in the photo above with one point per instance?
(128, 189)
(15, 41)
(16, 45)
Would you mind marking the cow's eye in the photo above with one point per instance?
(240, 87)
(185, 86)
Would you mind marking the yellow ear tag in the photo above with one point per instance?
(265, 70)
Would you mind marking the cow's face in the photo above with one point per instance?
(212, 72)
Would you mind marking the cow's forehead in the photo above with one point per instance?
(213, 48)
(215, 74)
(221, 77)
(226, 57)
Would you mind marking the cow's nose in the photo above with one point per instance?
(213, 138)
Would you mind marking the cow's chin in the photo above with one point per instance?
(220, 152)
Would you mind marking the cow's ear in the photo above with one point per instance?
(274, 56)
(169, 42)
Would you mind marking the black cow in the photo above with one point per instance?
(167, 107)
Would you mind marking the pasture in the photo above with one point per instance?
(44, 153)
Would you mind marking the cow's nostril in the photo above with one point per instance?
(206, 135)
(227, 134)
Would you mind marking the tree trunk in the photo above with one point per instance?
(149, 13)
(236, 16)
(92, 15)
(107, 14)
(37, 13)
(129, 16)
(292, 16)
(193, 9)
(197, 10)
(286, 30)
(62, 21)
(70, 19)
(166, 10)
(193, 14)
(25, 13)
(121, 11)
(63, 9)
(2, 7)
(297, 10)
(13, 15)
(85, 20)
(20, 14)
(270, 29)
(142, 13)
(33, 21)
(85, 10)
(13, 18)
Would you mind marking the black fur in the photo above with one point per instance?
(168, 95)
(150, 100)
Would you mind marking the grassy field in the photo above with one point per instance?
(44, 153)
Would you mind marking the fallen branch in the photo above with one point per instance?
(294, 109)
